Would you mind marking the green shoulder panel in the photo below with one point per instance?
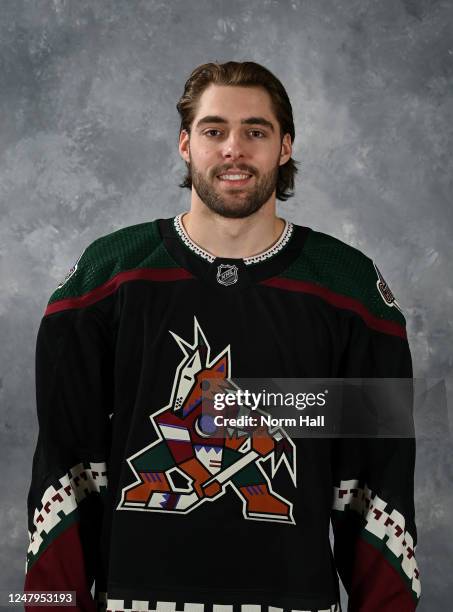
(132, 247)
(345, 271)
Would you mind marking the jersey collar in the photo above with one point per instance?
(230, 274)
(270, 252)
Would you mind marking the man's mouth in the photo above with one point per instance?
(235, 178)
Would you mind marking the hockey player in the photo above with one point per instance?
(134, 493)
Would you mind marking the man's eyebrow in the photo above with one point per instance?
(249, 121)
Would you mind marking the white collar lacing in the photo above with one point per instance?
(273, 250)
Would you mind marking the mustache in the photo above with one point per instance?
(244, 169)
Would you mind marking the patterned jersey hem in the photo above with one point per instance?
(120, 605)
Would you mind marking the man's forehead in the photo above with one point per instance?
(235, 103)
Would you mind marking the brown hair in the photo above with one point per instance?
(243, 74)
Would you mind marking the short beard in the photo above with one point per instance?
(249, 205)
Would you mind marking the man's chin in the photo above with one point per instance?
(233, 211)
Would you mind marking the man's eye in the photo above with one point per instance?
(261, 134)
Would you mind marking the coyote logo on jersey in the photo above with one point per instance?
(209, 458)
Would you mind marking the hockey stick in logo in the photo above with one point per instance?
(233, 469)
(281, 452)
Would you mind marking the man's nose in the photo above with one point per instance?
(234, 146)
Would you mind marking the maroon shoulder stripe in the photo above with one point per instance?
(339, 300)
(109, 287)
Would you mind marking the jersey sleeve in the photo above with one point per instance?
(373, 516)
(73, 365)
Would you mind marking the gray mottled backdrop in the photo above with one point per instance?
(88, 130)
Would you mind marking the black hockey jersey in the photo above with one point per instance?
(134, 499)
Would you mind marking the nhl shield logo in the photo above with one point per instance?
(227, 274)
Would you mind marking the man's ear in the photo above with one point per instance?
(286, 150)
(184, 145)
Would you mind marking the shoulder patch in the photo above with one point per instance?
(384, 290)
(133, 249)
(336, 271)
(71, 272)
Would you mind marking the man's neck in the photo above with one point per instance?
(233, 238)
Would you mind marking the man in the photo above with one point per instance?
(133, 487)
